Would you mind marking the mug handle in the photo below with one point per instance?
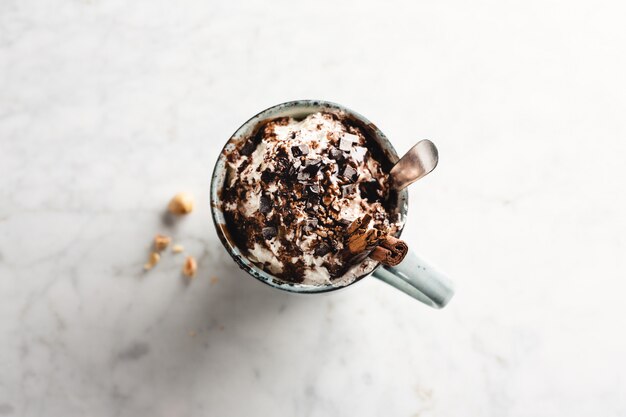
(419, 280)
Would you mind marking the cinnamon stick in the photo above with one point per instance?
(390, 251)
(360, 240)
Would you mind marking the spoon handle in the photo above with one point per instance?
(417, 162)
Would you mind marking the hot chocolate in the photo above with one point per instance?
(295, 187)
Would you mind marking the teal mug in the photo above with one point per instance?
(412, 276)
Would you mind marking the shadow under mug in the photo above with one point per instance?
(412, 276)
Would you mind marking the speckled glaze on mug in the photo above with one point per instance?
(412, 276)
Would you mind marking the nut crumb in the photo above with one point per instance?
(161, 242)
(190, 267)
(181, 203)
(154, 259)
(177, 248)
(214, 280)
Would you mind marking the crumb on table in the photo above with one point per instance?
(154, 259)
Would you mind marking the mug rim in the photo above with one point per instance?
(218, 177)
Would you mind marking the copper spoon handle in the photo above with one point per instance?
(417, 162)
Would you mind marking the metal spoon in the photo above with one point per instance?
(417, 162)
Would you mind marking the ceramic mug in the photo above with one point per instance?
(412, 276)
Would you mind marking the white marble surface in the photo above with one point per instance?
(107, 108)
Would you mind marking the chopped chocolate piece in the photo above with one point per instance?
(349, 173)
(267, 176)
(282, 164)
(312, 189)
(292, 170)
(347, 190)
(312, 169)
(369, 190)
(345, 144)
(312, 201)
(322, 249)
(248, 147)
(310, 225)
(336, 154)
(265, 204)
(299, 150)
(269, 232)
(321, 233)
(282, 153)
(345, 222)
(303, 176)
(289, 218)
(310, 162)
(327, 199)
(358, 153)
